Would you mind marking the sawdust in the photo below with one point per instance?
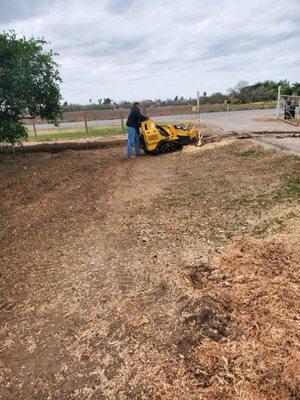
(239, 339)
(207, 147)
(171, 277)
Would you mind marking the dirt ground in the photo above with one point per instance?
(170, 277)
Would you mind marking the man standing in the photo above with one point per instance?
(133, 123)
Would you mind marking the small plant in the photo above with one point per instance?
(279, 222)
(261, 230)
(197, 194)
(243, 200)
(246, 153)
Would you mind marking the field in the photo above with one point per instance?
(171, 277)
(63, 134)
(75, 133)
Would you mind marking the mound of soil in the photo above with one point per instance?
(239, 337)
(205, 318)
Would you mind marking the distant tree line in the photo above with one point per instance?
(240, 94)
(261, 91)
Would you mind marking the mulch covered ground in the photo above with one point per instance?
(171, 277)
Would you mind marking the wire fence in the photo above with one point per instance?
(90, 124)
(81, 128)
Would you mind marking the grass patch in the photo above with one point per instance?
(265, 153)
(171, 199)
(261, 230)
(246, 153)
(289, 189)
(287, 158)
(293, 187)
(197, 194)
(73, 134)
(257, 153)
(233, 199)
(242, 201)
(219, 234)
(255, 202)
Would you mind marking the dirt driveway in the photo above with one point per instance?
(291, 144)
(169, 277)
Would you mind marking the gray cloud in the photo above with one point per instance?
(112, 47)
(14, 10)
(141, 49)
(236, 45)
(120, 6)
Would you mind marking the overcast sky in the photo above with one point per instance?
(138, 49)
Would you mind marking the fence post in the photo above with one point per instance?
(86, 125)
(34, 128)
(278, 101)
(122, 123)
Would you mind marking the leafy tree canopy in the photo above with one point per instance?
(29, 85)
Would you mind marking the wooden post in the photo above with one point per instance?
(122, 123)
(34, 128)
(86, 125)
(278, 101)
(200, 135)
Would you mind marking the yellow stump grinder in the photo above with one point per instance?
(158, 139)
